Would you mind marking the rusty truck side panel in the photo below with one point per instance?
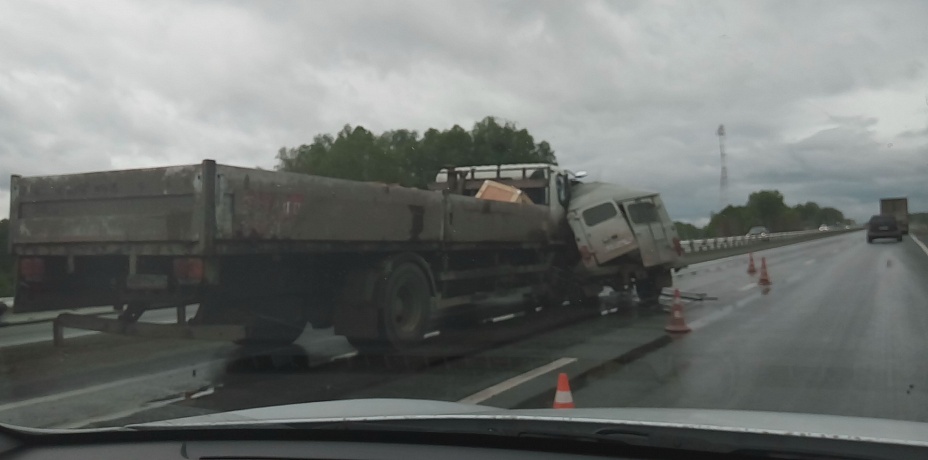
(472, 220)
(107, 207)
(215, 209)
(255, 205)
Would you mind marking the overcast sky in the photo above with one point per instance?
(825, 101)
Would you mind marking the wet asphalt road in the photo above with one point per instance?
(841, 331)
(844, 331)
(40, 332)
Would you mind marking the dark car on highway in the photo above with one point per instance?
(883, 226)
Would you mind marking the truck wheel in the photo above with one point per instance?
(648, 292)
(405, 301)
(649, 289)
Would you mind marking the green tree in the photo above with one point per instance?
(770, 209)
(688, 231)
(403, 157)
(767, 208)
(731, 221)
(831, 216)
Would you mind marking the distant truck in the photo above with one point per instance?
(898, 208)
(265, 253)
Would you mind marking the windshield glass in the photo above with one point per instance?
(214, 206)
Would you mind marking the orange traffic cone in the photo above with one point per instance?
(676, 323)
(764, 279)
(563, 399)
(751, 269)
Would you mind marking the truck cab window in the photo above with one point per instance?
(599, 213)
(643, 213)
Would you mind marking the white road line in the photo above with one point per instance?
(131, 411)
(747, 286)
(105, 386)
(919, 243)
(350, 354)
(494, 390)
(503, 318)
(809, 262)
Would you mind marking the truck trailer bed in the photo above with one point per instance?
(209, 209)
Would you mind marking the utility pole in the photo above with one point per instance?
(723, 181)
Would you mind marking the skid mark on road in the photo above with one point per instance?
(723, 312)
(494, 390)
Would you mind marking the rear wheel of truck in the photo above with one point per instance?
(649, 289)
(405, 306)
(403, 300)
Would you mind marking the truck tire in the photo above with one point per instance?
(404, 303)
(649, 289)
(648, 292)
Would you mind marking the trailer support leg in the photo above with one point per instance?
(181, 314)
(57, 333)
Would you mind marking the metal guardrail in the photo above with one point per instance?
(715, 244)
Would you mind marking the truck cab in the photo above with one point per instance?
(609, 222)
(622, 235)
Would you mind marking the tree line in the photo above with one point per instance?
(407, 158)
(765, 208)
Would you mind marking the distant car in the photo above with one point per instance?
(758, 232)
(823, 228)
(883, 226)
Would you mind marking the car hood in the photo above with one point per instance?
(791, 424)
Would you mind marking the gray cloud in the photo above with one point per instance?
(822, 100)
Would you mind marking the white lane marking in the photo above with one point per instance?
(106, 386)
(350, 354)
(494, 390)
(503, 318)
(809, 262)
(919, 243)
(747, 286)
(431, 334)
(132, 411)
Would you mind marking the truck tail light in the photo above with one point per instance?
(677, 246)
(188, 270)
(32, 269)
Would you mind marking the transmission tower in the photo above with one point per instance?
(723, 182)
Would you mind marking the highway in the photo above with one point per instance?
(41, 331)
(842, 330)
